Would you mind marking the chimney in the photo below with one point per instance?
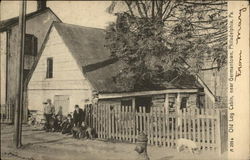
(41, 5)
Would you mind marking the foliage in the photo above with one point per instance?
(151, 38)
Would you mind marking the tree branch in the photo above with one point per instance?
(144, 8)
(139, 9)
(171, 10)
(209, 3)
(153, 9)
(166, 7)
(129, 7)
(159, 9)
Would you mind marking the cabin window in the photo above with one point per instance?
(171, 104)
(144, 102)
(183, 102)
(30, 47)
(126, 102)
(201, 101)
(49, 73)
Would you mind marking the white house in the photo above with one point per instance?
(57, 74)
(74, 67)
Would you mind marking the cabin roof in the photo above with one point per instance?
(87, 46)
(8, 23)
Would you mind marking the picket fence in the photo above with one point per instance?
(124, 123)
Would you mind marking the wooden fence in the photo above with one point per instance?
(124, 123)
(7, 114)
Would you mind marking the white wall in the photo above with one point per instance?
(67, 76)
(36, 97)
(3, 66)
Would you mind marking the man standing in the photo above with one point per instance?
(78, 116)
(49, 111)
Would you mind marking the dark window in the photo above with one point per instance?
(201, 101)
(49, 73)
(171, 102)
(184, 102)
(145, 102)
(126, 102)
(30, 47)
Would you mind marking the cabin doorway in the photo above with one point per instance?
(143, 102)
(62, 101)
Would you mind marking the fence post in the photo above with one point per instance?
(126, 123)
(116, 121)
(134, 121)
(164, 127)
(156, 126)
(151, 126)
(208, 128)
(160, 124)
(129, 123)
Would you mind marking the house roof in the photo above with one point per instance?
(85, 43)
(87, 46)
(5, 24)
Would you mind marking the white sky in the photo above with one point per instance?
(84, 13)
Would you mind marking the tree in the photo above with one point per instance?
(152, 38)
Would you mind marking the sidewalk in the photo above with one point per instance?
(40, 145)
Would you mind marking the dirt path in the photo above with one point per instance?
(40, 145)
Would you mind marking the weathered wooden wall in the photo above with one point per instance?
(67, 76)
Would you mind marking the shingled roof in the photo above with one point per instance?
(5, 24)
(87, 46)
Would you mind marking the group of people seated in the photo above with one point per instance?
(67, 124)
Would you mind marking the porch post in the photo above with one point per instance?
(178, 111)
(166, 103)
(133, 102)
(178, 102)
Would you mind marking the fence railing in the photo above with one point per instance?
(6, 114)
(124, 123)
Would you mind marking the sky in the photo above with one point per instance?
(84, 13)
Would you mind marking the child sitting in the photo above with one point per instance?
(67, 125)
(57, 124)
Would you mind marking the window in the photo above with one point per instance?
(49, 73)
(30, 47)
(201, 101)
(126, 102)
(184, 102)
(145, 102)
(171, 104)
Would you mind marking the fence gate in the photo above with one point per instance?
(124, 123)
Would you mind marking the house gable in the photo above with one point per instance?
(66, 73)
(9, 23)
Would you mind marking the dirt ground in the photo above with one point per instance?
(40, 145)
